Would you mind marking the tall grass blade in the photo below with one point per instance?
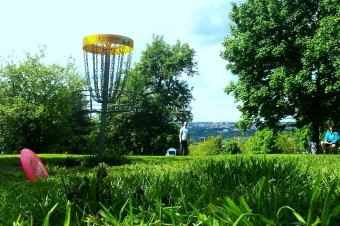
(171, 213)
(260, 194)
(122, 210)
(67, 214)
(17, 221)
(160, 210)
(316, 222)
(47, 219)
(253, 215)
(230, 207)
(82, 217)
(315, 191)
(335, 212)
(245, 204)
(183, 200)
(298, 216)
(131, 212)
(325, 216)
(200, 215)
(221, 215)
(105, 213)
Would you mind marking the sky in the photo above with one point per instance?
(61, 26)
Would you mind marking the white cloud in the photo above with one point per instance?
(211, 23)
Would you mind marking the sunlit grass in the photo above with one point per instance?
(252, 189)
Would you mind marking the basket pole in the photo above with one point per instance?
(104, 104)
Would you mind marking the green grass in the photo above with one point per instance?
(248, 190)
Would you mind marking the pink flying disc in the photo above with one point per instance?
(33, 166)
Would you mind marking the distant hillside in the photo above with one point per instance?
(199, 131)
(200, 134)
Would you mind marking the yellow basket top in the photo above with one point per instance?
(116, 44)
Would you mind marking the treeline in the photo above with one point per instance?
(37, 112)
(36, 107)
(199, 134)
(264, 141)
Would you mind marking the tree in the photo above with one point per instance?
(163, 100)
(286, 56)
(36, 107)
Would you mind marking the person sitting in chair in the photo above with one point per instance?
(331, 138)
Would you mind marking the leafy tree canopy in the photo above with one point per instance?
(36, 106)
(286, 57)
(163, 99)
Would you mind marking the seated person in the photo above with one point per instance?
(331, 138)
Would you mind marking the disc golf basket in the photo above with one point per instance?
(108, 58)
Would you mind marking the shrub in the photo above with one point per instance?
(231, 147)
(301, 138)
(267, 142)
(212, 146)
(263, 142)
(286, 143)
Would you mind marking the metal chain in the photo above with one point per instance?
(129, 102)
(112, 69)
(127, 69)
(126, 74)
(120, 84)
(87, 73)
(102, 71)
(95, 70)
(128, 62)
(117, 80)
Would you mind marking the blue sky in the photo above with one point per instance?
(61, 26)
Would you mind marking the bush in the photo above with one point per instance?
(286, 143)
(301, 138)
(212, 146)
(263, 142)
(231, 147)
(267, 142)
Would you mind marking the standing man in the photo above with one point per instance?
(183, 139)
(331, 138)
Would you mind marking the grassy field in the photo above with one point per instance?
(215, 190)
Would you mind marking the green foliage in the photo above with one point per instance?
(301, 138)
(263, 142)
(71, 162)
(262, 190)
(231, 147)
(286, 57)
(36, 107)
(163, 99)
(85, 134)
(212, 146)
(286, 143)
(234, 213)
